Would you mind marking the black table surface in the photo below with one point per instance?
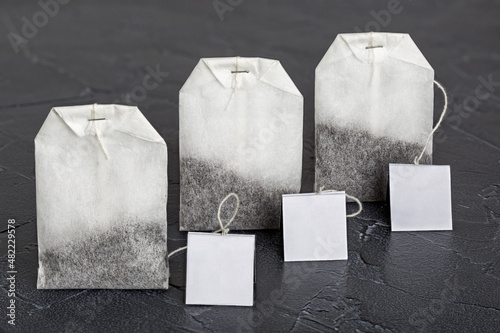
(98, 52)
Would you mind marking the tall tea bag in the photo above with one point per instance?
(240, 130)
(373, 106)
(101, 190)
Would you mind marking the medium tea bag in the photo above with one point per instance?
(373, 106)
(101, 188)
(240, 130)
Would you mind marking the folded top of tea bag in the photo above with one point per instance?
(122, 118)
(375, 47)
(250, 71)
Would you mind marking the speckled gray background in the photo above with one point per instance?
(96, 51)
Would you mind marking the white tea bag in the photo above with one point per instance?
(101, 189)
(420, 197)
(240, 130)
(373, 106)
(314, 226)
(220, 269)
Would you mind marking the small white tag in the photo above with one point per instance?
(220, 269)
(420, 197)
(314, 226)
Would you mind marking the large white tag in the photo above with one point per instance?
(420, 197)
(314, 226)
(220, 269)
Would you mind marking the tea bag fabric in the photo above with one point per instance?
(373, 106)
(101, 185)
(240, 130)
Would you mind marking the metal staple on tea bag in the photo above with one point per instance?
(371, 46)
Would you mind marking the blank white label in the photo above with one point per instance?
(220, 269)
(314, 226)
(420, 197)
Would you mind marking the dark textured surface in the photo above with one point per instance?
(131, 256)
(357, 162)
(204, 185)
(95, 51)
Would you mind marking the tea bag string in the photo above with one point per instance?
(94, 120)
(418, 158)
(223, 228)
(235, 82)
(321, 190)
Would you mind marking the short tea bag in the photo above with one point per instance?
(314, 226)
(373, 106)
(420, 197)
(101, 189)
(220, 269)
(240, 130)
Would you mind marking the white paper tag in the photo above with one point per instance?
(420, 197)
(220, 269)
(314, 226)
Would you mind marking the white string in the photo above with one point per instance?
(372, 52)
(237, 69)
(348, 196)
(223, 228)
(177, 251)
(97, 132)
(418, 158)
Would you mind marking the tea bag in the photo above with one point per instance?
(101, 189)
(373, 106)
(240, 130)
